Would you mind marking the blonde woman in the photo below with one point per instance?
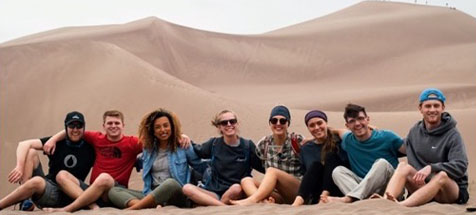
(232, 158)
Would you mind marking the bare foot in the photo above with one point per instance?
(329, 199)
(298, 201)
(159, 207)
(247, 201)
(54, 210)
(391, 197)
(376, 196)
(324, 197)
(93, 206)
(269, 200)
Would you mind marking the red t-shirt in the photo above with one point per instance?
(115, 158)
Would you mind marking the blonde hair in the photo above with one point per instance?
(113, 113)
(216, 120)
(146, 129)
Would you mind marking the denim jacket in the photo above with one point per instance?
(179, 168)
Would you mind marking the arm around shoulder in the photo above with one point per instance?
(50, 145)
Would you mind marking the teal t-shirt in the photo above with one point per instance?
(381, 144)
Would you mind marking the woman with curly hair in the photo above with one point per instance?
(166, 165)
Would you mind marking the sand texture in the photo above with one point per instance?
(376, 54)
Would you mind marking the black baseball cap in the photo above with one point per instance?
(74, 116)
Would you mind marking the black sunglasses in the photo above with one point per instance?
(225, 122)
(75, 125)
(281, 121)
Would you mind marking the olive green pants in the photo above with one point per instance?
(168, 193)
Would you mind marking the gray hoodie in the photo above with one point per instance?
(442, 148)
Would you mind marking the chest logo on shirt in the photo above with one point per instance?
(70, 161)
(110, 152)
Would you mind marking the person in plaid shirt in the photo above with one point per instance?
(280, 155)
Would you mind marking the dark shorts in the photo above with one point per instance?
(463, 196)
(53, 196)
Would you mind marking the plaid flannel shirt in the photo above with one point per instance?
(283, 158)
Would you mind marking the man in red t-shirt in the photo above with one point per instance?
(115, 157)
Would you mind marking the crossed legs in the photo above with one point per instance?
(286, 185)
(201, 196)
(440, 187)
(356, 188)
(99, 189)
(33, 187)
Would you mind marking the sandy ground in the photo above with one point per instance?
(376, 54)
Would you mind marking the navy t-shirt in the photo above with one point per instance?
(311, 152)
(229, 164)
(74, 158)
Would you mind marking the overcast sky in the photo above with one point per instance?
(23, 17)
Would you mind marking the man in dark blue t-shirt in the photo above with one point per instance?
(75, 156)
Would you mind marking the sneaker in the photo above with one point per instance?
(27, 205)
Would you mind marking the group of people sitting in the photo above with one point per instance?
(334, 165)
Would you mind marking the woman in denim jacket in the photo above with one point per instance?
(166, 165)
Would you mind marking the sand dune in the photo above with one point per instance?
(378, 54)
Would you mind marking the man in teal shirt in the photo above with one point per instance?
(373, 156)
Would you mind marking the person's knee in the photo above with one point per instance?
(36, 184)
(382, 164)
(272, 170)
(188, 189)
(104, 180)
(235, 188)
(403, 168)
(62, 176)
(337, 172)
(247, 180)
(172, 185)
(441, 177)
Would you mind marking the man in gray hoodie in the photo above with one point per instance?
(437, 162)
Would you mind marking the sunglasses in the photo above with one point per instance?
(225, 122)
(75, 125)
(281, 121)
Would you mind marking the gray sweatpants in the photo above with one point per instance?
(167, 193)
(375, 181)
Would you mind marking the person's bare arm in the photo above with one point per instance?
(22, 150)
(403, 149)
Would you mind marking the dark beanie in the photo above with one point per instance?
(282, 111)
(313, 114)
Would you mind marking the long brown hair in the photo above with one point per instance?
(146, 129)
(329, 145)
